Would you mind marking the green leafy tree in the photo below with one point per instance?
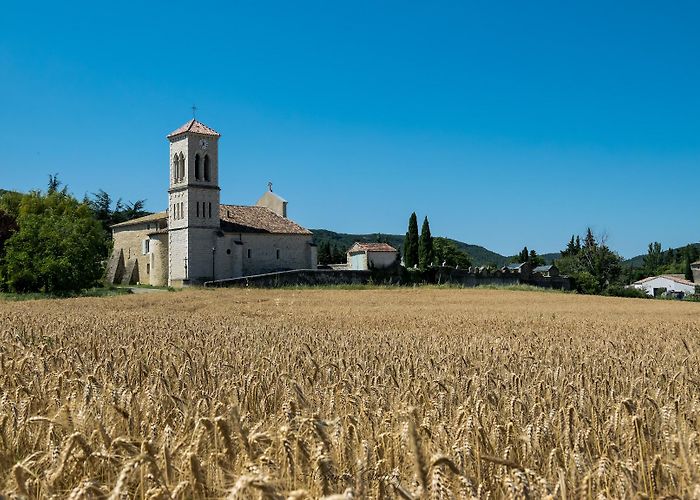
(653, 260)
(594, 268)
(410, 246)
(449, 254)
(8, 226)
(425, 246)
(109, 213)
(687, 270)
(58, 246)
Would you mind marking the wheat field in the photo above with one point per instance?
(411, 393)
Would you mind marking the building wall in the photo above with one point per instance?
(381, 260)
(661, 282)
(177, 255)
(130, 240)
(274, 203)
(357, 261)
(158, 257)
(696, 273)
(295, 252)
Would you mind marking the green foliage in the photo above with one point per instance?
(448, 253)
(629, 292)
(523, 256)
(8, 226)
(593, 267)
(58, 247)
(425, 246)
(586, 283)
(654, 259)
(573, 248)
(534, 259)
(324, 253)
(530, 257)
(410, 244)
(479, 255)
(687, 271)
(338, 256)
(109, 213)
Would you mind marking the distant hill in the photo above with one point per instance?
(3, 191)
(480, 256)
(638, 261)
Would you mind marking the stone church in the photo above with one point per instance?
(197, 238)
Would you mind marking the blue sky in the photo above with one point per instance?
(507, 123)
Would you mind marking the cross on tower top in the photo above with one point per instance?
(194, 111)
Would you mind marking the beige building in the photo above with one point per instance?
(365, 256)
(198, 239)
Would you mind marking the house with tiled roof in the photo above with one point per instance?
(364, 256)
(665, 284)
(197, 238)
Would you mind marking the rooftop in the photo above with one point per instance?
(371, 247)
(143, 220)
(253, 219)
(681, 281)
(194, 127)
(238, 219)
(542, 269)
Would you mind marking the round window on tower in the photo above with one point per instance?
(228, 251)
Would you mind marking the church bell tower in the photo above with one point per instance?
(193, 203)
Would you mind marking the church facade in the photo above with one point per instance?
(197, 238)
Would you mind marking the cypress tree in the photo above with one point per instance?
(410, 252)
(523, 256)
(688, 271)
(425, 246)
(324, 253)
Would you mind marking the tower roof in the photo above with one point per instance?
(195, 127)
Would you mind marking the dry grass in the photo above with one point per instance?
(340, 394)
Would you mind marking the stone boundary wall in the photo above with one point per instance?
(472, 277)
(468, 278)
(299, 277)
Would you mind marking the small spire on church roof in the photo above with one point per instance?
(195, 127)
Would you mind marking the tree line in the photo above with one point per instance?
(52, 242)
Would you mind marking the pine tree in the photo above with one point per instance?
(410, 253)
(590, 242)
(425, 247)
(523, 256)
(570, 248)
(324, 253)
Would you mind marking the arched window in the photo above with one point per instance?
(182, 166)
(197, 168)
(207, 168)
(176, 168)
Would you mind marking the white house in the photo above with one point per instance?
(655, 285)
(364, 256)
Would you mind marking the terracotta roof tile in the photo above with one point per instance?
(681, 281)
(146, 218)
(371, 247)
(196, 128)
(239, 219)
(246, 219)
